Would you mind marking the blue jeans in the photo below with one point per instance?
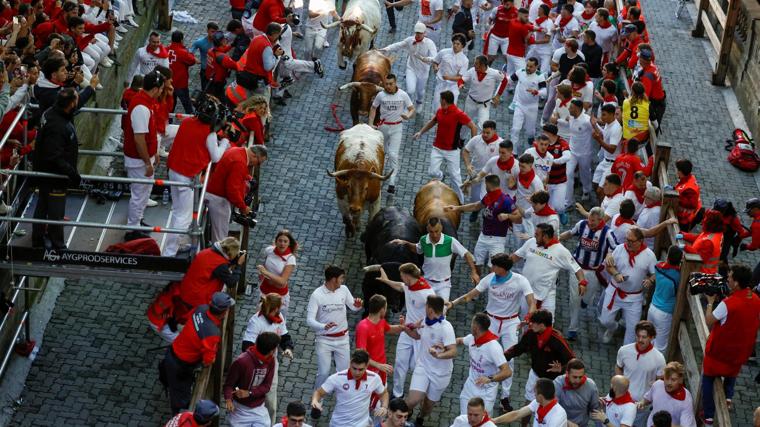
(708, 399)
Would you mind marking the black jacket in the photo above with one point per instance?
(593, 55)
(556, 348)
(463, 23)
(57, 146)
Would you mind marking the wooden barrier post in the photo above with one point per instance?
(726, 41)
(164, 18)
(662, 240)
(688, 266)
(699, 30)
(661, 161)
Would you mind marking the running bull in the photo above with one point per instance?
(358, 28)
(430, 201)
(359, 162)
(370, 70)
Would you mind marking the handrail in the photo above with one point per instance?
(114, 111)
(85, 224)
(100, 178)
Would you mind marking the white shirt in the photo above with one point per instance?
(483, 90)
(542, 265)
(681, 411)
(620, 414)
(504, 299)
(522, 194)
(326, 306)
(566, 32)
(414, 302)
(428, 8)
(526, 83)
(648, 218)
(557, 417)
(323, 8)
(438, 268)
(259, 324)
(280, 425)
(416, 50)
(581, 141)
(461, 421)
(275, 263)
(562, 112)
(586, 93)
(392, 105)
(643, 266)
(531, 220)
(612, 133)
(140, 119)
(480, 151)
(147, 62)
(450, 63)
(542, 165)
(485, 360)
(619, 231)
(352, 405)
(440, 334)
(641, 372)
(721, 312)
(605, 37)
(611, 205)
(631, 195)
(492, 168)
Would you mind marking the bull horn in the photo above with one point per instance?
(381, 177)
(337, 174)
(374, 268)
(351, 85)
(330, 25)
(368, 29)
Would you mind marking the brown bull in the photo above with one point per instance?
(429, 202)
(359, 163)
(370, 70)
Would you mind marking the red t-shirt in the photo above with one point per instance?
(448, 121)
(501, 20)
(371, 337)
(518, 33)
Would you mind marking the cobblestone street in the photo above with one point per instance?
(98, 365)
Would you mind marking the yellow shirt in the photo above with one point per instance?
(635, 118)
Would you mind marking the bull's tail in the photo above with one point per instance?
(340, 127)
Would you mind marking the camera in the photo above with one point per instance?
(245, 220)
(215, 113)
(708, 284)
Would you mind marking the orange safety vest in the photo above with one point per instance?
(686, 215)
(710, 265)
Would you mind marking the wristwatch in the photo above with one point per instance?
(606, 421)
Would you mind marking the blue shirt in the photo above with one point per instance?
(666, 283)
(202, 45)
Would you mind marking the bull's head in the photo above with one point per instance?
(357, 182)
(366, 92)
(351, 35)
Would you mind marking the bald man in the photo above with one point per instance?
(621, 408)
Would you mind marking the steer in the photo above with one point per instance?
(370, 70)
(388, 224)
(358, 28)
(359, 162)
(429, 202)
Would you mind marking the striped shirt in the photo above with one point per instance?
(593, 245)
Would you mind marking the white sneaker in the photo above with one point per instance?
(162, 152)
(118, 37)
(151, 203)
(326, 45)
(121, 29)
(105, 62)
(608, 335)
(132, 22)
(99, 87)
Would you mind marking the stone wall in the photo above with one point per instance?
(744, 63)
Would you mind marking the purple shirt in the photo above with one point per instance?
(491, 224)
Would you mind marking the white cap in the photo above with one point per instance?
(420, 28)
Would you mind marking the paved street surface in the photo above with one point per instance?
(98, 364)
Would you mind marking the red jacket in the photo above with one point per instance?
(180, 60)
(230, 177)
(707, 246)
(629, 57)
(730, 344)
(649, 76)
(250, 371)
(689, 200)
(755, 230)
(199, 339)
(254, 63)
(151, 138)
(183, 419)
(626, 165)
(269, 11)
(189, 155)
(253, 123)
(199, 285)
(219, 64)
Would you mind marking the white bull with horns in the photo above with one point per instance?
(358, 28)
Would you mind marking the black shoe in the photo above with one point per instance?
(473, 216)
(505, 406)
(279, 101)
(134, 235)
(583, 304)
(286, 94)
(419, 422)
(391, 189)
(318, 68)
(315, 413)
(144, 224)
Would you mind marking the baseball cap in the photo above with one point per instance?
(752, 203)
(628, 29)
(221, 301)
(205, 411)
(420, 27)
(551, 128)
(646, 53)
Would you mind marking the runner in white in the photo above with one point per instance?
(539, 212)
(395, 107)
(525, 184)
(417, 70)
(613, 196)
(486, 86)
(326, 316)
(670, 395)
(544, 257)
(641, 363)
(543, 160)
(351, 399)
(620, 406)
(531, 86)
(438, 347)
(504, 166)
(506, 292)
(608, 136)
(476, 415)
(606, 33)
(416, 291)
(581, 149)
(450, 64)
(541, 46)
(629, 265)
(478, 150)
(546, 410)
(315, 35)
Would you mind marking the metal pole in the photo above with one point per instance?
(99, 178)
(15, 121)
(10, 349)
(96, 225)
(114, 111)
(100, 153)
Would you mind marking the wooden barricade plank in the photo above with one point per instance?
(688, 266)
(690, 362)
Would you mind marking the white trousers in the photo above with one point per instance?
(631, 307)
(524, 119)
(125, 9)
(506, 330)
(477, 111)
(514, 63)
(557, 194)
(488, 393)
(392, 141)
(583, 162)
(138, 194)
(495, 43)
(575, 300)
(442, 86)
(314, 42)
(167, 138)
(165, 333)
(244, 416)
(329, 349)
(271, 400)
(182, 211)
(662, 322)
(415, 85)
(441, 288)
(89, 62)
(488, 246)
(451, 158)
(407, 350)
(219, 211)
(530, 385)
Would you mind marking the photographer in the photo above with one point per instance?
(734, 324)
(288, 67)
(195, 145)
(218, 65)
(261, 59)
(707, 244)
(53, 79)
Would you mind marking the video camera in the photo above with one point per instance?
(212, 111)
(708, 284)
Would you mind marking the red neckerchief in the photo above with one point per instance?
(569, 386)
(284, 421)
(646, 350)
(492, 196)
(620, 220)
(577, 88)
(546, 211)
(610, 98)
(276, 319)
(605, 24)
(550, 243)
(284, 254)
(586, 16)
(543, 410)
(565, 102)
(419, 285)
(563, 21)
(540, 20)
(618, 191)
(632, 255)
(547, 2)
(358, 380)
(255, 353)
(526, 178)
(664, 265)
(543, 337)
(622, 400)
(598, 227)
(493, 138)
(488, 336)
(639, 192)
(657, 203)
(161, 52)
(485, 419)
(506, 166)
(480, 75)
(679, 394)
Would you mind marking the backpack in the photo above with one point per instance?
(143, 246)
(742, 151)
